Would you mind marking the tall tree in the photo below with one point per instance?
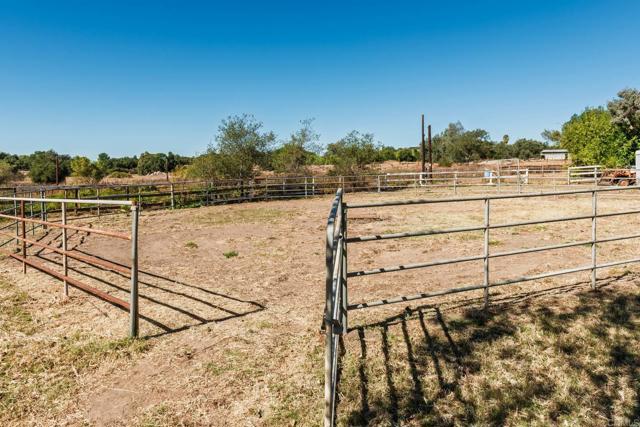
(625, 112)
(525, 148)
(241, 146)
(294, 155)
(6, 172)
(353, 153)
(42, 166)
(592, 138)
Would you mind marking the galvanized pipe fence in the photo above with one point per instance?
(18, 217)
(337, 304)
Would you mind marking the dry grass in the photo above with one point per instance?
(567, 358)
(40, 374)
(236, 341)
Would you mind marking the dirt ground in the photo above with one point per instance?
(231, 299)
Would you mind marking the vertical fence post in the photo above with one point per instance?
(133, 302)
(97, 197)
(305, 186)
(77, 196)
(486, 253)
(173, 197)
(65, 261)
(343, 261)
(33, 226)
(313, 185)
(42, 208)
(594, 213)
(455, 182)
(328, 330)
(15, 214)
(378, 183)
(24, 237)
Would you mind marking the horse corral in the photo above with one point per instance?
(231, 300)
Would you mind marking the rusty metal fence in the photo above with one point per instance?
(28, 214)
(337, 306)
(174, 194)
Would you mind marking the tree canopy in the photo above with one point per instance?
(592, 138)
(353, 153)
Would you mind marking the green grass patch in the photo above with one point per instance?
(230, 254)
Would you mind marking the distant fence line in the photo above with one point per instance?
(172, 194)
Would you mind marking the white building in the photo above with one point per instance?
(555, 154)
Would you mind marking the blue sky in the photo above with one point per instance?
(124, 77)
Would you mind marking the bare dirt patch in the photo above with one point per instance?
(234, 340)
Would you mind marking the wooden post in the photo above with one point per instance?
(15, 213)
(430, 150)
(423, 157)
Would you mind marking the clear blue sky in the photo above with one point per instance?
(93, 76)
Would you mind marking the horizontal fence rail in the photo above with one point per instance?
(338, 272)
(30, 211)
(174, 194)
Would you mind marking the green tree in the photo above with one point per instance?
(104, 163)
(42, 166)
(84, 168)
(352, 154)
(294, 155)
(241, 146)
(592, 138)
(408, 154)
(81, 167)
(386, 153)
(150, 163)
(123, 164)
(551, 137)
(455, 144)
(205, 166)
(12, 160)
(625, 112)
(525, 148)
(6, 172)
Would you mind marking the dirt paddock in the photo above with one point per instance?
(231, 299)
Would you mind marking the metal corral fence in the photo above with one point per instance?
(26, 215)
(337, 306)
(165, 194)
(581, 174)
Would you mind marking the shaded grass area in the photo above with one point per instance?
(39, 372)
(573, 360)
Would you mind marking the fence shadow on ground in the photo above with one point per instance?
(169, 304)
(431, 366)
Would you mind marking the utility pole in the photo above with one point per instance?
(57, 170)
(430, 151)
(422, 149)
